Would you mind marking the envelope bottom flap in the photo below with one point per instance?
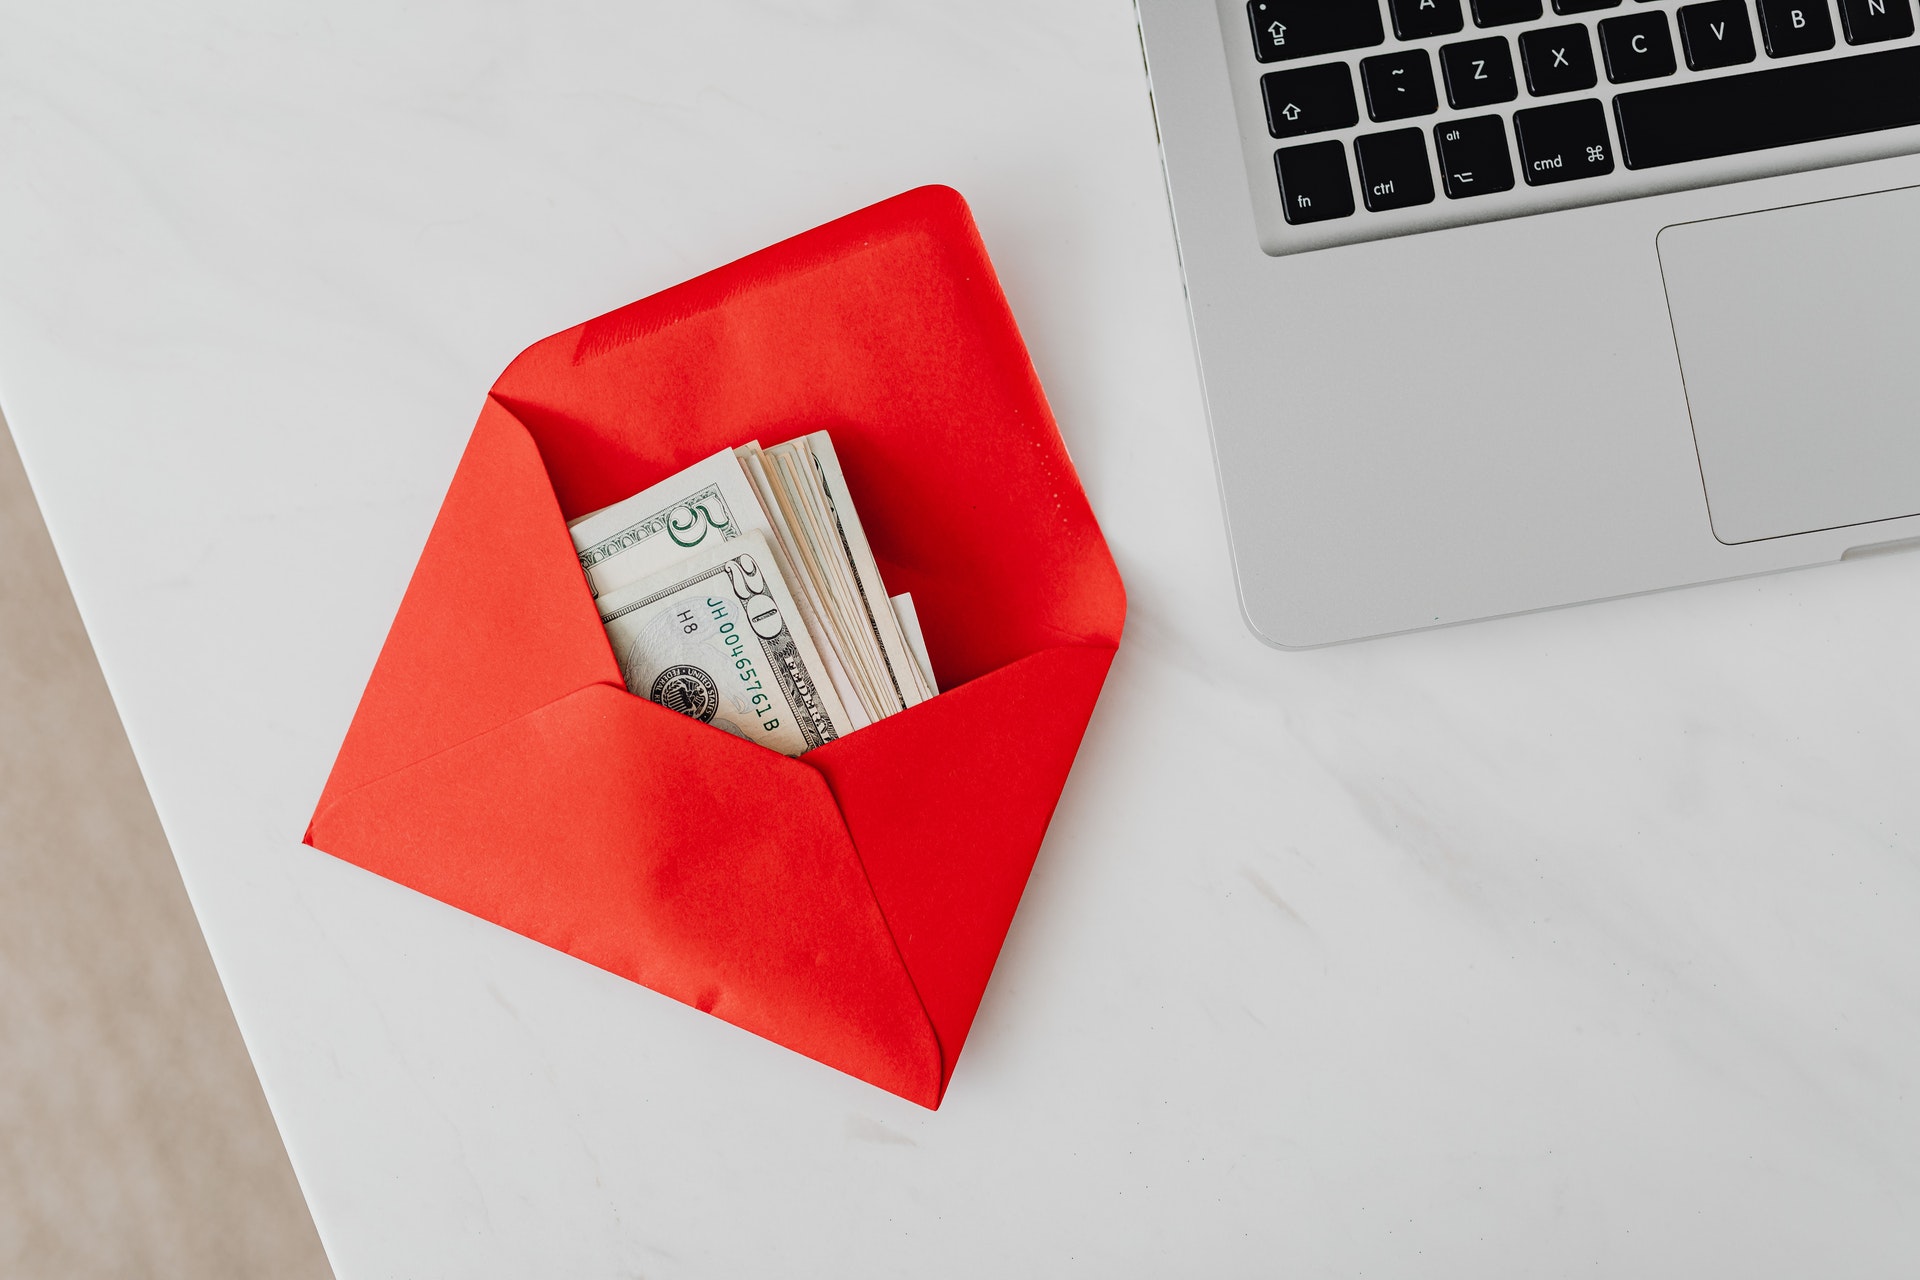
(712, 870)
(948, 804)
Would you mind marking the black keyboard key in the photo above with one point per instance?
(1637, 46)
(1479, 72)
(1418, 19)
(1498, 13)
(1562, 142)
(1313, 182)
(1473, 157)
(1558, 60)
(1795, 26)
(1285, 29)
(1565, 7)
(1716, 34)
(1777, 107)
(1309, 100)
(1393, 169)
(1870, 21)
(1399, 85)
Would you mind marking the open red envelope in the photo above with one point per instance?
(848, 904)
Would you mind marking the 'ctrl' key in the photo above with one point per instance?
(1313, 182)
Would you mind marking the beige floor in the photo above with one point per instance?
(134, 1141)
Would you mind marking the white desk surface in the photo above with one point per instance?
(1576, 944)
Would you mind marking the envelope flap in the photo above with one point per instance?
(888, 328)
(948, 803)
(496, 622)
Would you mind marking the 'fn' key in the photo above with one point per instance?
(1314, 185)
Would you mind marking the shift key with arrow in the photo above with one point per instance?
(1286, 29)
(1309, 100)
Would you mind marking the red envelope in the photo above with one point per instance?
(850, 903)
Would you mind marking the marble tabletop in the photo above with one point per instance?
(1574, 944)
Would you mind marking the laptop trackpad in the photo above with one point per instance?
(1799, 339)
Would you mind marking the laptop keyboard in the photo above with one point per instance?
(1373, 118)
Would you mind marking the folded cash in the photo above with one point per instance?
(742, 592)
(714, 638)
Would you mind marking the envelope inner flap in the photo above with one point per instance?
(888, 329)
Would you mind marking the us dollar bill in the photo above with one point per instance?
(658, 528)
(817, 531)
(718, 637)
(883, 623)
(908, 617)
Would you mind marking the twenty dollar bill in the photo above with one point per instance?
(718, 637)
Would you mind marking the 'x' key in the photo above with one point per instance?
(1558, 60)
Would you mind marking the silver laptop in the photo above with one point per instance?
(1508, 304)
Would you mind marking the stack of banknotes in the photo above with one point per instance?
(742, 592)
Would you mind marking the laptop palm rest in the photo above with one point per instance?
(1798, 331)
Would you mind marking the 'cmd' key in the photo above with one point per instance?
(1563, 142)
